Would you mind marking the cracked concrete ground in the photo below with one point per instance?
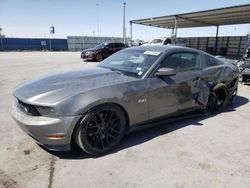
(201, 152)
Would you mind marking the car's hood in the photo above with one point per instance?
(245, 64)
(53, 88)
(90, 50)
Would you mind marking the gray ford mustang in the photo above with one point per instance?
(96, 107)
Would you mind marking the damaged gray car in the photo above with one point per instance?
(134, 88)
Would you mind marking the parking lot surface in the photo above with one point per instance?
(199, 152)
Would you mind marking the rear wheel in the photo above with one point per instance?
(99, 57)
(218, 99)
(101, 129)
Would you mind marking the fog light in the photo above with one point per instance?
(56, 136)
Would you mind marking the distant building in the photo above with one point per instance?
(79, 43)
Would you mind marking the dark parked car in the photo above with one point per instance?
(244, 69)
(133, 88)
(102, 51)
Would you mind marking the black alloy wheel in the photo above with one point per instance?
(99, 57)
(101, 129)
(216, 102)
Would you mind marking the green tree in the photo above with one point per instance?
(1, 35)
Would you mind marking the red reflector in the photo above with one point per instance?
(56, 136)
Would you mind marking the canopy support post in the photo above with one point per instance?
(131, 33)
(175, 27)
(216, 40)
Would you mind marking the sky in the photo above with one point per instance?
(32, 18)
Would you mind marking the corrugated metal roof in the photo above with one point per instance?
(222, 16)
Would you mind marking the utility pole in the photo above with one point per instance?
(124, 29)
(98, 27)
(52, 31)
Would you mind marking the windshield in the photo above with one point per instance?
(245, 63)
(131, 62)
(156, 41)
(100, 46)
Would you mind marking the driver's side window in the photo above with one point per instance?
(182, 61)
(108, 45)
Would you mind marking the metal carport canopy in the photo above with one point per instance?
(215, 17)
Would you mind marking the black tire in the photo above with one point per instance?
(99, 57)
(218, 99)
(101, 129)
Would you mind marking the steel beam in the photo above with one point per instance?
(175, 28)
(216, 40)
(131, 33)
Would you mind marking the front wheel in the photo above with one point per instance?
(99, 57)
(101, 129)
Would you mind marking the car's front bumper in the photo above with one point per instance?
(88, 56)
(245, 75)
(52, 133)
(245, 72)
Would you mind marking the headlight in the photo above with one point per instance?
(89, 53)
(240, 68)
(46, 111)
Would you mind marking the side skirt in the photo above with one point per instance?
(167, 120)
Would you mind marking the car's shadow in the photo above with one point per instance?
(89, 61)
(246, 83)
(136, 138)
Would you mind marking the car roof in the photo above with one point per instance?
(114, 43)
(162, 48)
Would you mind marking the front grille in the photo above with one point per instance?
(28, 108)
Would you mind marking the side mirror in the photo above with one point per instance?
(165, 72)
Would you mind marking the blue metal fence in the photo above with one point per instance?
(14, 44)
